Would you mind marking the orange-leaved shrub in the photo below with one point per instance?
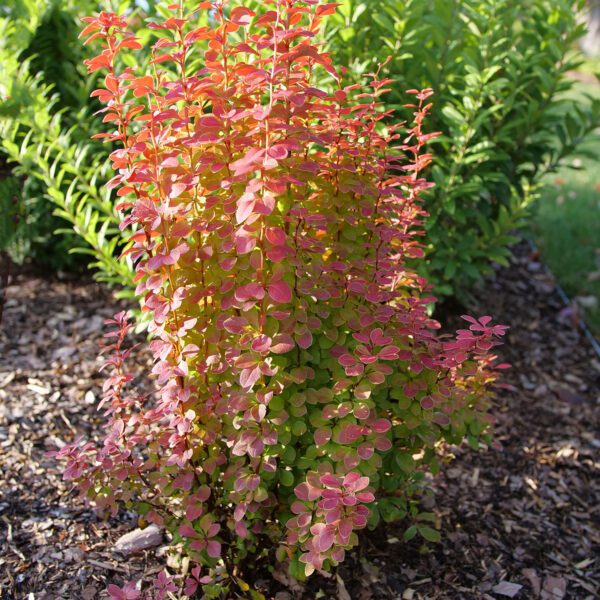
(303, 389)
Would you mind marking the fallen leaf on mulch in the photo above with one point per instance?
(534, 580)
(506, 588)
(139, 539)
(554, 588)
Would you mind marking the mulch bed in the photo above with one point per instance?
(521, 522)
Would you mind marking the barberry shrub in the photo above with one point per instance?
(303, 391)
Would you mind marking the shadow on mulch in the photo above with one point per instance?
(521, 522)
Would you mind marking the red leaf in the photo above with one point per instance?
(280, 292)
(241, 15)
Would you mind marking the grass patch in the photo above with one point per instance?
(567, 228)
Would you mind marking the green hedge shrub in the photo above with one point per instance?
(499, 72)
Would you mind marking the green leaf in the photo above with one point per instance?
(410, 533)
(431, 535)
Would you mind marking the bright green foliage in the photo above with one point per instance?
(498, 70)
(46, 122)
(56, 54)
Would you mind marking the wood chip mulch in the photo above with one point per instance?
(520, 523)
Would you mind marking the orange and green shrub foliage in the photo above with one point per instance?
(303, 389)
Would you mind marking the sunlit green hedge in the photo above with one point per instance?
(499, 69)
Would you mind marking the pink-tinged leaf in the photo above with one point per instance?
(235, 324)
(362, 391)
(361, 337)
(355, 371)
(170, 163)
(248, 291)
(360, 521)
(261, 343)
(282, 343)
(376, 377)
(345, 528)
(441, 419)
(177, 189)
(213, 548)
(278, 152)
(227, 263)
(305, 340)
(325, 540)
(410, 390)
(322, 436)
(246, 361)
(275, 236)
(389, 353)
(277, 254)
(245, 207)
(318, 528)
(187, 531)
(382, 443)
(351, 478)
(248, 377)
(361, 411)
(244, 242)
(378, 338)
(198, 545)
(184, 481)
(265, 204)
(191, 586)
(427, 402)
(355, 482)
(240, 15)
(249, 162)
(307, 492)
(241, 530)
(331, 481)
(366, 450)
(350, 433)
(347, 360)
(181, 229)
(127, 592)
(381, 425)
(365, 497)
(280, 292)
(193, 512)
(343, 409)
